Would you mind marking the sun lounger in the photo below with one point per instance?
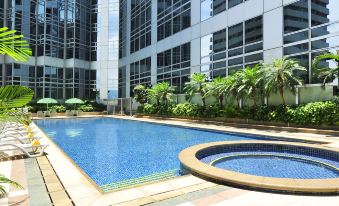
(73, 113)
(68, 113)
(28, 149)
(40, 114)
(47, 113)
(22, 139)
(53, 113)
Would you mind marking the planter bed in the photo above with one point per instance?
(245, 123)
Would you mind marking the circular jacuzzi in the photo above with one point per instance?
(266, 165)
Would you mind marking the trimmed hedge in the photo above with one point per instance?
(316, 113)
(87, 107)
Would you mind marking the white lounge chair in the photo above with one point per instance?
(13, 131)
(40, 114)
(21, 139)
(27, 149)
(53, 113)
(73, 113)
(47, 113)
(68, 113)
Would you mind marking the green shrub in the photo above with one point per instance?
(230, 112)
(57, 108)
(140, 109)
(150, 109)
(210, 111)
(163, 109)
(316, 113)
(86, 108)
(186, 110)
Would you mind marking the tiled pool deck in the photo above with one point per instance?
(54, 180)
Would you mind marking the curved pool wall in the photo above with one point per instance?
(248, 166)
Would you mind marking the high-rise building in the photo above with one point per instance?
(74, 44)
(168, 40)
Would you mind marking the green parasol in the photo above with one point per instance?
(74, 101)
(47, 101)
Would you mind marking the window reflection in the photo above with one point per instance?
(173, 66)
(173, 17)
(140, 73)
(140, 25)
(323, 29)
(206, 9)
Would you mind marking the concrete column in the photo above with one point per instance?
(297, 96)
(128, 80)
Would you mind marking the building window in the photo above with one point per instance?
(173, 16)
(173, 66)
(140, 24)
(122, 82)
(122, 28)
(233, 3)
(296, 16)
(210, 8)
(304, 37)
(245, 47)
(140, 73)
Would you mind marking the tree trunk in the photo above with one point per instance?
(203, 100)
(238, 103)
(221, 99)
(281, 91)
(254, 101)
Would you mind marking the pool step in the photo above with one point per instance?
(138, 181)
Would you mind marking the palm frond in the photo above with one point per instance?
(14, 45)
(324, 72)
(5, 180)
(15, 96)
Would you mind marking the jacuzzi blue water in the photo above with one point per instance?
(114, 150)
(278, 164)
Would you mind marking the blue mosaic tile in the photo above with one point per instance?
(110, 150)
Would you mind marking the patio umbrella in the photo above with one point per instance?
(74, 101)
(47, 101)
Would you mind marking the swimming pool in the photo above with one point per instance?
(117, 153)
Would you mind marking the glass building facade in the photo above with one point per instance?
(219, 37)
(63, 36)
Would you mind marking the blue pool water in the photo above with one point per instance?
(285, 164)
(114, 150)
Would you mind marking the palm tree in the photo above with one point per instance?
(218, 88)
(250, 82)
(235, 81)
(326, 73)
(13, 45)
(4, 180)
(161, 92)
(140, 94)
(279, 76)
(197, 84)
